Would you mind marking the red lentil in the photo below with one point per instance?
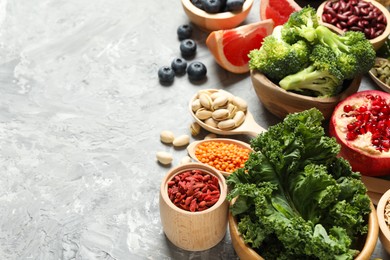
(222, 156)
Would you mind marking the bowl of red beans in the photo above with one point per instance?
(193, 206)
(367, 16)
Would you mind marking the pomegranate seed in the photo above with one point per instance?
(351, 135)
(351, 126)
(370, 96)
(385, 109)
(347, 108)
(362, 109)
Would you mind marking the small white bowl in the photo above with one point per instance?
(218, 21)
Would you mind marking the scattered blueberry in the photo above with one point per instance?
(212, 6)
(187, 48)
(166, 74)
(179, 66)
(234, 5)
(196, 71)
(197, 3)
(184, 31)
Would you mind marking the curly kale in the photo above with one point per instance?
(295, 199)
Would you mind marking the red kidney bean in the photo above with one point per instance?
(189, 190)
(356, 15)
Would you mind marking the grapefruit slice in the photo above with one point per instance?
(278, 10)
(231, 47)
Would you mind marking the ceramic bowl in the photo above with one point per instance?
(199, 230)
(380, 83)
(218, 21)
(384, 230)
(245, 252)
(376, 42)
(281, 102)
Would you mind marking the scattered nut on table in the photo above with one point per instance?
(195, 129)
(181, 140)
(164, 157)
(167, 136)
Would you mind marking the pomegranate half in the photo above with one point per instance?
(361, 124)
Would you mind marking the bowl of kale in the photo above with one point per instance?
(295, 198)
(305, 64)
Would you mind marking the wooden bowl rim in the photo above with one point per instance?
(217, 16)
(369, 245)
(324, 100)
(193, 166)
(380, 83)
(383, 9)
(380, 214)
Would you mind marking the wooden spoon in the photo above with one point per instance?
(249, 126)
(192, 147)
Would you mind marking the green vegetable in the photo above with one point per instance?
(301, 25)
(332, 58)
(295, 199)
(322, 78)
(278, 59)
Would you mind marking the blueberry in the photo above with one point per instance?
(166, 74)
(196, 71)
(184, 31)
(234, 5)
(212, 6)
(179, 66)
(187, 48)
(197, 3)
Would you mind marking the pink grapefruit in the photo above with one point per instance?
(231, 47)
(278, 10)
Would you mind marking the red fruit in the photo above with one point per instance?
(277, 10)
(360, 123)
(231, 47)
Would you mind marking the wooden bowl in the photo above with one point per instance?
(218, 21)
(281, 102)
(384, 231)
(376, 42)
(246, 252)
(380, 83)
(194, 231)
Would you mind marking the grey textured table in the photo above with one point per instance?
(80, 115)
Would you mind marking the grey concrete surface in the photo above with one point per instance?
(81, 110)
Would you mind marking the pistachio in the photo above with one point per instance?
(211, 122)
(240, 103)
(205, 101)
(239, 118)
(210, 136)
(228, 124)
(220, 102)
(164, 157)
(181, 140)
(195, 105)
(220, 114)
(232, 109)
(195, 129)
(203, 113)
(167, 136)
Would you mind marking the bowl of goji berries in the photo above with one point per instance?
(193, 206)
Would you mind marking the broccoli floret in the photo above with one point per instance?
(301, 25)
(321, 78)
(356, 54)
(277, 59)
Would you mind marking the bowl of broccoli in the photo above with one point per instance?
(304, 64)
